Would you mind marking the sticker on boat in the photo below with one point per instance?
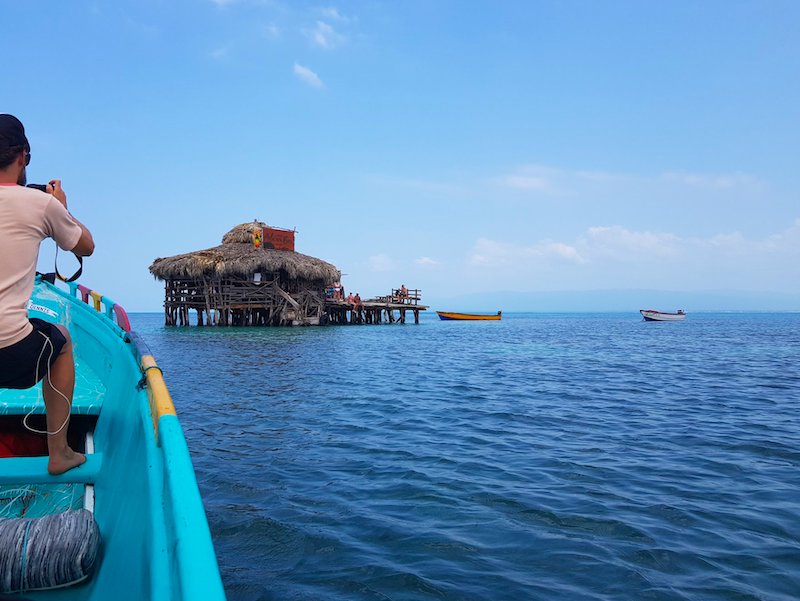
(42, 309)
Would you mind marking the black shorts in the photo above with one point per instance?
(23, 364)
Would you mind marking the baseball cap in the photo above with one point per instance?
(12, 133)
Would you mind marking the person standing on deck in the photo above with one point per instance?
(34, 349)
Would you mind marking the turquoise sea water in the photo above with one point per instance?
(547, 456)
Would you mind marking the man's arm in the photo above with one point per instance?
(85, 245)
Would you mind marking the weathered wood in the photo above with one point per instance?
(241, 301)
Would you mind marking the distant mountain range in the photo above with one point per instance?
(617, 300)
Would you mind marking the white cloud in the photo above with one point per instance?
(427, 186)
(308, 76)
(541, 181)
(491, 253)
(381, 263)
(535, 178)
(525, 182)
(272, 31)
(333, 14)
(224, 3)
(541, 178)
(427, 262)
(782, 244)
(787, 241)
(561, 250)
(614, 256)
(727, 240)
(219, 53)
(705, 180)
(624, 244)
(324, 36)
(602, 176)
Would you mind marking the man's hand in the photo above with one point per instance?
(85, 245)
(54, 187)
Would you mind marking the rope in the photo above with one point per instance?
(22, 577)
(143, 382)
(47, 552)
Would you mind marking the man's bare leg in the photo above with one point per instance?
(62, 379)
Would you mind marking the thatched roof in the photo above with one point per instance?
(243, 233)
(237, 256)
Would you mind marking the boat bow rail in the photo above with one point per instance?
(102, 304)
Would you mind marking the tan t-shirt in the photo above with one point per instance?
(27, 216)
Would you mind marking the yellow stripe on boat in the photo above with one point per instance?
(157, 393)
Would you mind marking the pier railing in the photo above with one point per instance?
(400, 296)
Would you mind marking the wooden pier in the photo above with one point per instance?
(376, 310)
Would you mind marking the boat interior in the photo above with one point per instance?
(137, 488)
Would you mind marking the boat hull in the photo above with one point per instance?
(450, 316)
(144, 496)
(652, 315)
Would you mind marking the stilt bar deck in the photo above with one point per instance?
(373, 310)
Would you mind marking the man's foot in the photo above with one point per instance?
(64, 461)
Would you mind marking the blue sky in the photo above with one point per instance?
(524, 148)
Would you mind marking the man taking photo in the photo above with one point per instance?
(34, 349)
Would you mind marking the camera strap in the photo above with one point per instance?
(75, 275)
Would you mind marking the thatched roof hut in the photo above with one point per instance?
(237, 256)
(243, 283)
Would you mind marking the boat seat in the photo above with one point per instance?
(87, 398)
(33, 470)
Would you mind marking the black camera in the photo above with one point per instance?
(42, 187)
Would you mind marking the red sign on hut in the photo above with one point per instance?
(278, 238)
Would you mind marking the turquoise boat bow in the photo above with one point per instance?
(138, 479)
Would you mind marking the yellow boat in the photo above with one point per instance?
(448, 316)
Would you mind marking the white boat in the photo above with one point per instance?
(653, 315)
